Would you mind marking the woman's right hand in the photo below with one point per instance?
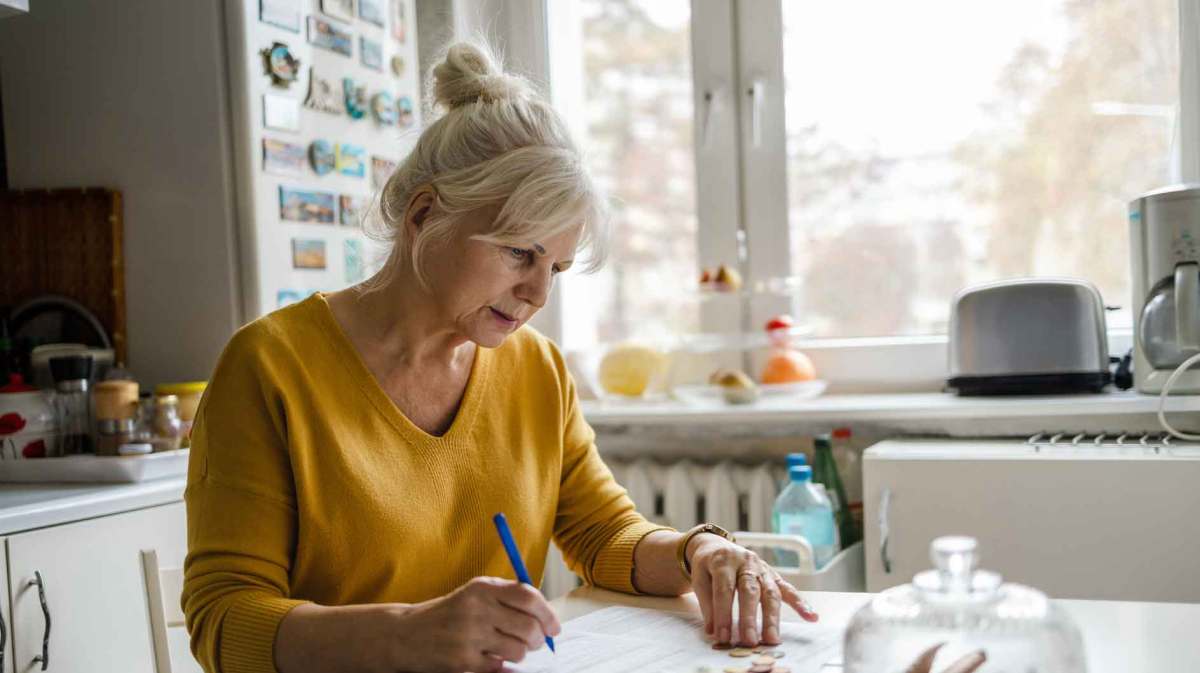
(477, 627)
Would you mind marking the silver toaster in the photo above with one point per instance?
(1028, 336)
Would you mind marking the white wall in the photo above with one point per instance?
(131, 95)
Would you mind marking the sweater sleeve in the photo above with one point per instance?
(241, 513)
(596, 525)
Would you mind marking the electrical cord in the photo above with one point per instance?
(1162, 399)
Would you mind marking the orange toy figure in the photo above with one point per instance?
(786, 364)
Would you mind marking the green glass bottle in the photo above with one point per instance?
(825, 473)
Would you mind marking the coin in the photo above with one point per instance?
(735, 669)
(740, 652)
(778, 654)
(722, 646)
(761, 668)
(764, 659)
(781, 669)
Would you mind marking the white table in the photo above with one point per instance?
(1120, 637)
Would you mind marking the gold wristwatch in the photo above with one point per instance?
(681, 550)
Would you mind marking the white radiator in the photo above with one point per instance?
(683, 494)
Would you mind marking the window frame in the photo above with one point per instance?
(741, 205)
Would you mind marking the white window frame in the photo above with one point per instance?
(741, 171)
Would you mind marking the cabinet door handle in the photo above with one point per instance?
(41, 587)
(885, 502)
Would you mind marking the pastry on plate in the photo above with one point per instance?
(736, 387)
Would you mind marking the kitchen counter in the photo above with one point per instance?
(1118, 637)
(28, 506)
(906, 413)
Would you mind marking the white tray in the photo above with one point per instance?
(107, 469)
(702, 393)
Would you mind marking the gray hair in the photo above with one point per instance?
(497, 144)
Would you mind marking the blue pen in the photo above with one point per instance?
(514, 557)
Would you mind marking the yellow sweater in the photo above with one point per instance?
(306, 483)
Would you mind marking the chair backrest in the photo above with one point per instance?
(168, 630)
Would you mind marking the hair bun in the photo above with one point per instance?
(468, 74)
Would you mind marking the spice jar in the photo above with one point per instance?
(189, 395)
(115, 402)
(168, 428)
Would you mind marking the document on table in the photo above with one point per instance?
(626, 640)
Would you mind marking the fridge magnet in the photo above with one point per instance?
(352, 259)
(286, 297)
(328, 36)
(398, 65)
(282, 13)
(371, 53)
(321, 94)
(356, 97)
(282, 157)
(308, 253)
(381, 170)
(339, 9)
(303, 205)
(383, 108)
(404, 112)
(321, 156)
(280, 64)
(371, 11)
(398, 27)
(351, 160)
(281, 113)
(353, 209)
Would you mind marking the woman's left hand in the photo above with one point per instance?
(724, 572)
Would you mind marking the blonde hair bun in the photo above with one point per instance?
(469, 74)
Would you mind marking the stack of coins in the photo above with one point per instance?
(766, 659)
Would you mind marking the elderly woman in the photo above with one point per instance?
(351, 449)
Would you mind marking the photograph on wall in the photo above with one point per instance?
(281, 113)
(308, 253)
(322, 157)
(405, 116)
(381, 170)
(286, 297)
(353, 209)
(305, 205)
(322, 95)
(371, 11)
(398, 27)
(282, 157)
(371, 52)
(342, 10)
(351, 160)
(328, 36)
(353, 260)
(282, 13)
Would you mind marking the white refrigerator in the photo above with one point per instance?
(1082, 520)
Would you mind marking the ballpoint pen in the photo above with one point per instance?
(514, 557)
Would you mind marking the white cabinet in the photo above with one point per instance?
(92, 581)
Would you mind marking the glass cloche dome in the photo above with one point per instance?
(955, 613)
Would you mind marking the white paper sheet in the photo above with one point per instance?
(627, 640)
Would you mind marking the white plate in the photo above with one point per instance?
(709, 392)
(107, 469)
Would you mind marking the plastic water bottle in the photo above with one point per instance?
(802, 509)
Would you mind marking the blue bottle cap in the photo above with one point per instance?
(800, 473)
(794, 459)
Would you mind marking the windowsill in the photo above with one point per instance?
(911, 413)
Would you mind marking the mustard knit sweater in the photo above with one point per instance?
(306, 483)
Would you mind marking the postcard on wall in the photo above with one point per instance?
(381, 170)
(353, 260)
(371, 53)
(281, 113)
(398, 27)
(308, 253)
(351, 160)
(282, 157)
(343, 10)
(304, 205)
(371, 11)
(282, 13)
(328, 36)
(353, 209)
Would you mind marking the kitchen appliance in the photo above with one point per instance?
(1106, 518)
(1164, 234)
(1028, 336)
(962, 614)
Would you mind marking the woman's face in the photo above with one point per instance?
(488, 291)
